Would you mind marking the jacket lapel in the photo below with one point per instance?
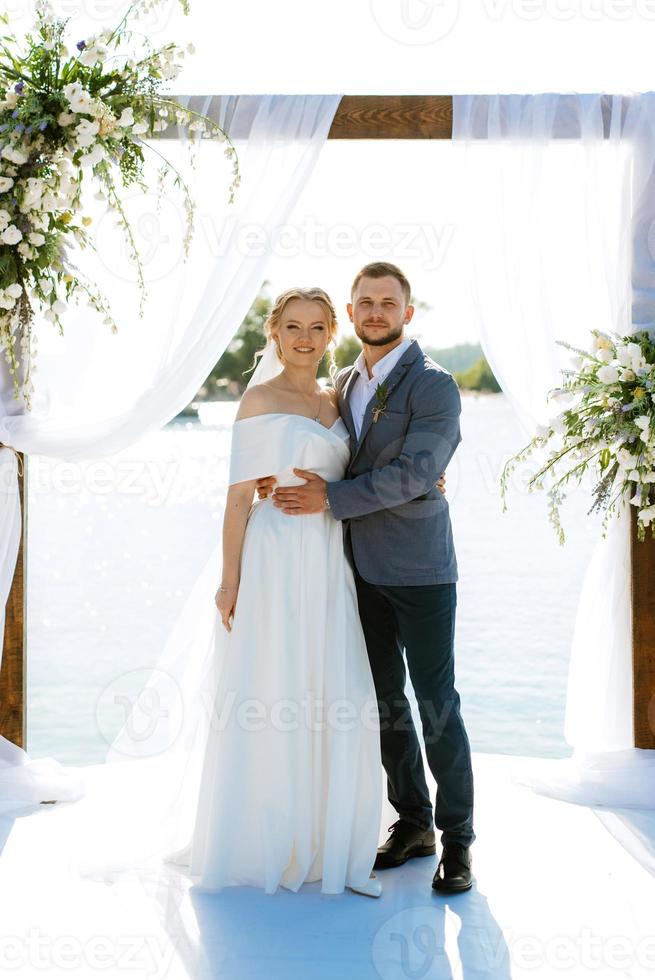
(345, 405)
(392, 379)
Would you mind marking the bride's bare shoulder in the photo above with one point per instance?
(258, 400)
(332, 395)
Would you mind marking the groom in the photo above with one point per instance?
(402, 411)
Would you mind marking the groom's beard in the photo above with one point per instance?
(376, 338)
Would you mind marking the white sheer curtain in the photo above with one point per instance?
(557, 198)
(97, 393)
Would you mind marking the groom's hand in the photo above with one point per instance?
(266, 484)
(307, 499)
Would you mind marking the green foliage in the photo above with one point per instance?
(347, 351)
(479, 377)
(231, 373)
(455, 359)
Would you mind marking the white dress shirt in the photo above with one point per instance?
(364, 388)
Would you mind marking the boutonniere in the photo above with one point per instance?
(381, 396)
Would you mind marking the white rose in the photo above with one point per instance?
(558, 424)
(49, 202)
(92, 55)
(605, 355)
(72, 89)
(126, 117)
(36, 238)
(5, 218)
(10, 152)
(87, 127)
(6, 183)
(607, 374)
(642, 421)
(15, 290)
(628, 374)
(46, 286)
(24, 249)
(626, 459)
(94, 156)
(11, 235)
(80, 100)
(599, 340)
(6, 302)
(66, 118)
(623, 355)
(647, 514)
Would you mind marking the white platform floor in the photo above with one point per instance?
(556, 895)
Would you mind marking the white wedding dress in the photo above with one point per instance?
(291, 786)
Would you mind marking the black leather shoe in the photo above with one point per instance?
(453, 872)
(406, 841)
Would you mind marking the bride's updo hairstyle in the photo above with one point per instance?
(314, 294)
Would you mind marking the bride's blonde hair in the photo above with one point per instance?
(314, 294)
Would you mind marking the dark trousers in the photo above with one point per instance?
(420, 619)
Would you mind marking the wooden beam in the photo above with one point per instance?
(13, 701)
(393, 117)
(642, 560)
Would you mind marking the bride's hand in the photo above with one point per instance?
(226, 602)
(265, 486)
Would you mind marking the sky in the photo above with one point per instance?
(421, 46)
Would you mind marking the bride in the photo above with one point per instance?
(290, 788)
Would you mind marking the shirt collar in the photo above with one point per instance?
(385, 364)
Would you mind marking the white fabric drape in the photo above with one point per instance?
(557, 203)
(97, 393)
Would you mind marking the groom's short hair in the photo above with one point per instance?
(377, 270)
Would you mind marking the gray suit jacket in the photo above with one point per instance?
(399, 522)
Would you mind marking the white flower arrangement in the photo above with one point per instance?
(67, 113)
(609, 427)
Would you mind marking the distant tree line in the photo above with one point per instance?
(230, 375)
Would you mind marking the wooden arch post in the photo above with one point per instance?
(416, 117)
(13, 702)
